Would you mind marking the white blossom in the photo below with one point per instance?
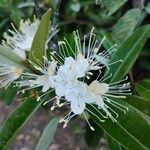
(87, 55)
(44, 80)
(98, 94)
(8, 74)
(21, 40)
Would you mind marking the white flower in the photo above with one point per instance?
(8, 74)
(99, 95)
(20, 40)
(45, 80)
(87, 55)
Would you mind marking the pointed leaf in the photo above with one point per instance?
(143, 88)
(128, 53)
(126, 25)
(112, 144)
(113, 5)
(17, 120)
(40, 39)
(139, 103)
(48, 134)
(7, 56)
(128, 130)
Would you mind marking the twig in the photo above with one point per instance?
(37, 8)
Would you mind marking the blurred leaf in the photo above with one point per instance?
(16, 121)
(112, 144)
(47, 135)
(128, 53)
(110, 39)
(93, 137)
(9, 55)
(145, 63)
(124, 28)
(143, 88)
(113, 5)
(139, 103)
(16, 16)
(147, 8)
(128, 130)
(9, 94)
(3, 22)
(40, 39)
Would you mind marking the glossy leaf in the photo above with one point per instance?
(113, 5)
(143, 88)
(128, 130)
(124, 28)
(147, 8)
(16, 121)
(112, 144)
(128, 53)
(9, 94)
(48, 134)
(9, 57)
(141, 104)
(92, 138)
(38, 48)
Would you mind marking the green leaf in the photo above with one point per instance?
(128, 130)
(126, 25)
(143, 88)
(38, 49)
(110, 39)
(147, 8)
(9, 94)
(128, 53)
(16, 121)
(139, 103)
(9, 57)
(47, 135)
(92, 138)
(113, 5)
(112, 144)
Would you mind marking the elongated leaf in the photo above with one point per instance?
(92, 138)
(128, 53)
(139, 103)
(40, 39)
(147, 8)
(126, 25)
(7, 56)
(47, 135)
(113, 5)
(112, 144)
(9, 94)
(128, 130)
(16, 120)
(143, 88)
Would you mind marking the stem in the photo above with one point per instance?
(37, 8)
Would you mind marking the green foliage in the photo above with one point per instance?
(48, 134)
(120, 25)
(128, 53)
(143, 88)
(124, 28)
(8, 95)
(16, 121)
(38, 49)
(129, 125)
(113, 5)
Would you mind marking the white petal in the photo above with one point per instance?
(77, 106)
(98, 88)
(60, 91)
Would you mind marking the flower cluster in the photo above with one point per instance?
(71, 73)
